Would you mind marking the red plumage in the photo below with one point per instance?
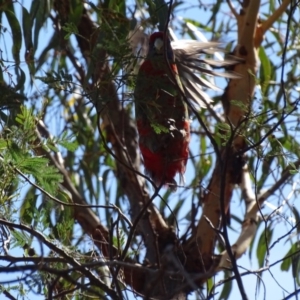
(161, 112)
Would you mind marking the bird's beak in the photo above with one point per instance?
(158, 44)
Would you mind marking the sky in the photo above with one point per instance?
(270, 288)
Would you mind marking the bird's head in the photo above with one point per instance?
(157, 46)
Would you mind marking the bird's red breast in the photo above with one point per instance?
(164, 164)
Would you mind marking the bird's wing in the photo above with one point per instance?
(193, 68)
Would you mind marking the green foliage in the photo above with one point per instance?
(16, 33)
(265, 70)
(70, 29)
(264, 242)
(158, 128)
(226, 290)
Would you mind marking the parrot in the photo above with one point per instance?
(162, 114)
(170, 75)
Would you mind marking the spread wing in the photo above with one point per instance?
(193, 68)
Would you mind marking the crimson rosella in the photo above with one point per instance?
(162, 114)
(166, 76)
